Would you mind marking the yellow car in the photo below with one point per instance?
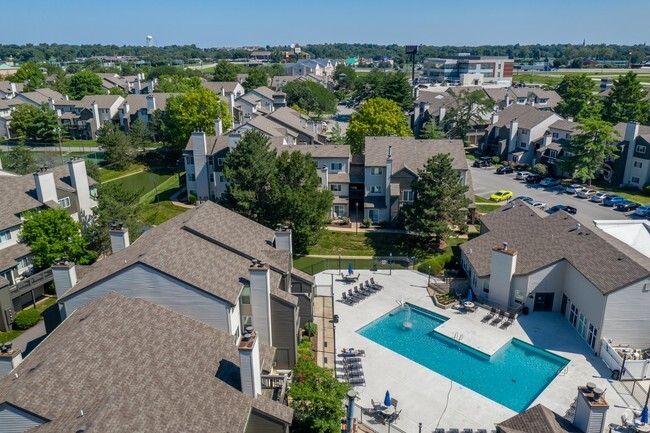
(501, 195)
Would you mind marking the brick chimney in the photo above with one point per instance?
(10, 358)
(119, 239)
(260, 284)
(504, 264)
(65, 276)
(45, 187)
(249, 363)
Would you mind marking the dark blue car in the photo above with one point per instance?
(613, 200)
(559, 207)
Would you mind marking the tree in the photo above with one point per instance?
(626, 101)
(114, 205)
(226, 71)
(336, 134)
(140, 136)
(392, 85)
(315, 396)
(196, 109)
(578, 99)
(31, 74)
(540, 169)
(53, 234)
(118, 151)
(20, 160)
(257, 77)
(346, 78)
(470, 107)
(117, 91)
(85, 83)
(177, 84)
(311, 97)
(439, 200)
(590, 149)
(35, 123)
(432, 131)
(378, 117)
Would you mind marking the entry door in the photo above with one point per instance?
(543, 302)
(565, 300)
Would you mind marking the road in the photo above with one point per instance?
(486, 183)
(342, 117)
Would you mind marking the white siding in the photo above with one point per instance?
(626, 315)
(13, 420)
(586, 297)
(140, 281)
(14, 237)
(546, 280)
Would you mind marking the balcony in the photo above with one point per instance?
(274, 386)
(30, 283)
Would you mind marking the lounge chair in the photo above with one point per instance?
(393, 402)
(394, 416)
(453, 430)
(490, 315)
(376, 406)
(366, 289)
(346, 300)
(481, 430)
(354, 296)
(468, 430)
(359, 293)
(369, 287)
(352, 352)
(498, 318)
(511, 319)
(378, 286)
(439, 430)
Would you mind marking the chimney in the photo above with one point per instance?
(151, 104)
(65, 276)
(218, 126)
(119, 239)
(199, 152)
(150, 86)
(50, 103)
(507, 99)
(127, 108)
(137, 88)
(504, 263)
(66, 97)
(249, 363)
(631, 132)
(141, 76)
(279, 100)
(260, 284)
(95, 108)
(324, 177)
(231, 105)
(591, 409)
(79, 181)
(495, 117)
(10, 358)
(45, 188)
(59, 113)
(12, 88)
(442, 112)
(569, 119)
(547, 139)
(283, 238)
(512, 138)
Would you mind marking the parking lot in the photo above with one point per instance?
(486, 182)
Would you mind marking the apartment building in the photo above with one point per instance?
(452, 69)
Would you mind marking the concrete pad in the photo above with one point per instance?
(480, 336)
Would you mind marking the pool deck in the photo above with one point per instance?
(435, 401)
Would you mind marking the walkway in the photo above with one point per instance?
(30, 338)
(175, 202)
(323, 318)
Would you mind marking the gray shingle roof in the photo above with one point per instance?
(537, 419)
(168, 373)
(565, 125)
(139, 102)
(527, 116)
(291, 119)
(412, 153)
(216, 86)
(543, 239)
(9, 255)
(103, 101)
(208, 247)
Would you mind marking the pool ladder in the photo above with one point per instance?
(458, 336)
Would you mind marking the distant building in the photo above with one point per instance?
(452, 68)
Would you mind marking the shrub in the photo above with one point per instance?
(27, 318)
(496, 160)
(345, 221)
(367, 222)
(437, 263)
(191, 198)
(383, 224)
(540, 169)
(311, 328)
(646, 188)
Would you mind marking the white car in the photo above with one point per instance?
(539, 204)
(522, 175)
(571, 189)
(586, 192)
(549, 181)
(643, 211)
(599, 197)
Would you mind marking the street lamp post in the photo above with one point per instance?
(357, 206)
(390, 264)
(429, 273)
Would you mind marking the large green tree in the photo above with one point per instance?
(257, 77)
(19, 160)
(590, 149)
(439, 200)
(431, 131)
(345, 77)
(85, 83)
(311, 97)
(196, 109)
(35, 123)
(626, 101)
(578, 98)
(177, 84)
(119, 153)
(377, 117)
(226, 71)
(388, 85)
(140, 136)
(471, 106)
(53, 234)
(30, 74)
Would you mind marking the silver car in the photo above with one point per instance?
(598, 197)
(571, 189)
(549, 181)
(522, 175)
(586, 192)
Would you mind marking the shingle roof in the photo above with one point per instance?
(621, 126)
(263, 91)
(5, 86)
(208, 247)
(9, 255)
(565, 125)
(412, 153)
(543, 239)
(103, 101)
(291, 119)
(139, 102)
(168, 373)
(527, 117)
(537, 419)
(216, 86)
(340, 177)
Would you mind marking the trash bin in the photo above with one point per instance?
(524, 311)
(616, 374)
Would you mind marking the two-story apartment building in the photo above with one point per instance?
(210, 264)
(257, 102)
(225, 88)
(534, 97)
(67, 187)
(304, 67)
(82, 119)
(141, 106)
(392, 163)
(632, 168)
(527, 258)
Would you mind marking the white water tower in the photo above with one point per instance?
(149, 41)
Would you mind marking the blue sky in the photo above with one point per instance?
(217, 23)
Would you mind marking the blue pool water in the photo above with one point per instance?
(514, 376)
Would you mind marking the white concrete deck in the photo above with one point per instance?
(468, 329)
(427, 397)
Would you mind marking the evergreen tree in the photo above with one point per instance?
(35, 123)
(578, 98)
(431, 131)
(118, 151)
(627, 101)
(140, 135)
(19, 160)
(311, 97)
(226, 71)
(471, 107)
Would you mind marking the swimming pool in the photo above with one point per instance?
(513, 376)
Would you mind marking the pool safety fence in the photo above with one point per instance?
(374, 264)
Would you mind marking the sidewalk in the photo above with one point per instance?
(175, 202)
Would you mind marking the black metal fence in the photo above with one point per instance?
(342, 264)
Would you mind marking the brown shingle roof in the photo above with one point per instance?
(216, 86)
(537, 419)
(139, 102)
(527, 116)
(412, 153)
(9, 255)
(543, 239)
(565, 125)
(103, 101)
(168, 373)
(291, 119)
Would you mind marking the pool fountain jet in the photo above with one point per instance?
(407, 323)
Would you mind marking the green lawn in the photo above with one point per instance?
(144, 181)
(164, 190)
(480, 199)
(485, 208)
(333, 243)
(9, 336)
(158, 213)
(110, 174)
(79, 143)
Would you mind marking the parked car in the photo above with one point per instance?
(613, 200)
(643, 211)
(484, 161)
(505, 169)
(585, 192)
(522, 175)
(539, 204)
(521, 167)
(627, 205)
(534, 178)
(571, 189)
(523, 198)
(549, 181)
(501, 195)
(559, 207)
(599, 197)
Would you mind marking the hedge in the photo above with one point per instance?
(27, 318)
(311, 328)
(437, 263)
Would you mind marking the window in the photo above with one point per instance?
(23, 263)
(5, 236)
(407, 195)
(591, 335)
(635, 179)
(211, 177)
(246, 321)
(640, 148)
(64, 202)
(209, 161)
(376, 170)
(555, 135)
(375, 189)
(222, 179)
(189, 160)
(220, 162)
(582, 324)
(373, 214)
(335, 187)
(521, 100)
(524, 132)
(336, 166)
(191, 177)
(245, 297)
(573, 315)
(519, 297)
(552, 154)
(638, 164)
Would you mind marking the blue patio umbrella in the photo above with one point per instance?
(350, 271)
(644, 415)
(469, 295)
(387, 401)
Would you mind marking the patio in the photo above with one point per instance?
(431, 399)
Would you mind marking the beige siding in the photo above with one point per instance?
(626, 315)
(284, 331)
(546, 280)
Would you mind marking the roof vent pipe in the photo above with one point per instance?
(505, 245)
(578, 226)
